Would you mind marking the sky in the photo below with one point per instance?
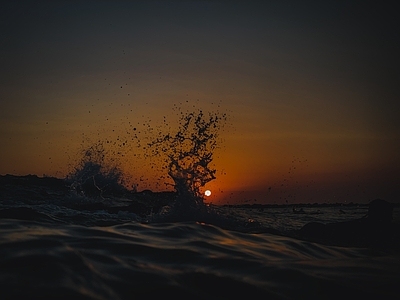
(310, 90)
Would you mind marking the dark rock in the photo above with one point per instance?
(374, 230)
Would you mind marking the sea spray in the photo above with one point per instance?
(96, 174)
(188, 154)
(184, 153)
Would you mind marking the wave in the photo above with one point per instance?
(55, 243)
(190, 259)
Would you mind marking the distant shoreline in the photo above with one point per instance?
(31, 179)
(298, 205)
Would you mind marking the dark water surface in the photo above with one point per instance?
(189, 259)
(60, 246)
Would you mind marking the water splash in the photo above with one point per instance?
(184, 153)
(188, 154)
(96, 175)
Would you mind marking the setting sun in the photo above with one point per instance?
(207, 193)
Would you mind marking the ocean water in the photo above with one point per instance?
(55, 244)
(87, 236)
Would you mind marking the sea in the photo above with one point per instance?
(57, 243)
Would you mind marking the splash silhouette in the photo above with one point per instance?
(185, 154)
(96, 176)
(188, 154)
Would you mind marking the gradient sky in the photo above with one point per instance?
(311, 90)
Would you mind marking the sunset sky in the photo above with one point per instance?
(311, 90)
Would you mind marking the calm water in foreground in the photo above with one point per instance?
(49, 250)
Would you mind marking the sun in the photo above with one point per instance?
(207, 193)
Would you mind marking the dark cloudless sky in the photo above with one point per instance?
(311, 89)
